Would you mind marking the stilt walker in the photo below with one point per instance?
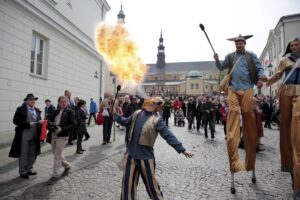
(289, 101)
(245, 71)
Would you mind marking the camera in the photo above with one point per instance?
(53, 128)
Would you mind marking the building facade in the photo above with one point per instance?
(286, 29)
(47, 47)
(180, 78)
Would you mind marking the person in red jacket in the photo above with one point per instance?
(176, 106)
(224, 111)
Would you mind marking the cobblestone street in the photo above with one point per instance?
(205, 176)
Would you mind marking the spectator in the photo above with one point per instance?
(49, 109)
(191, 112)
(267, 111)
(206, 109)
(167, 112)
(26, 143)
(71, 106)
(259, 125)
(59, 126)
(224, 111)
(105, 106)
(93, 110)
(81, 116)
(176, 106)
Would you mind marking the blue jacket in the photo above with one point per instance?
(240, 78)
(93, 107)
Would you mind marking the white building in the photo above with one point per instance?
(46, 47)
(286, 29)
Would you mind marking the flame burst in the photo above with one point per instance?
(120, 52)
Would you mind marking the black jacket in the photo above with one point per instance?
(21, 124)
(49, 112)
(206, 110)
(67, 122)
(267, 109)
(80, 116)
(167, 109)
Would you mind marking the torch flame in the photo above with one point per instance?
(120, 52)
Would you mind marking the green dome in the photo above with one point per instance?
(194, 73)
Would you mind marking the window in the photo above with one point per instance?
(279, 44)
(212, 88)
(37, 61)
(52, 2)
(69, 3)
(197, 85)
(192, 86)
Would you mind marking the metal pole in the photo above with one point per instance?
(203, 29)
(113, 107)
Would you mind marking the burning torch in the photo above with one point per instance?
(113, 107)
(203, 29)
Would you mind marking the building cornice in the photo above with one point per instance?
(42, 16)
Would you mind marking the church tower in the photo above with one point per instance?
(121, 15)
(161, 53)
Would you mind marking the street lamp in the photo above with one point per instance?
(270, 66)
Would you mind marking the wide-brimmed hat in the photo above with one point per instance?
(30, 96)
(240, 38)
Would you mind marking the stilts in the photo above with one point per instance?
(232, 188)
(253, 177)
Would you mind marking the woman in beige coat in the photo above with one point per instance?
(289, 102)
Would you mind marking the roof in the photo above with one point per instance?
(182, 67)
(194, 74)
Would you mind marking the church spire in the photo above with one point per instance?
(121, 15)
(161, 52)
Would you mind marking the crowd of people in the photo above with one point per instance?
(141, 119)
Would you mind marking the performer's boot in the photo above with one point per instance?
(297, 195)
(232, 188)
(253, 177)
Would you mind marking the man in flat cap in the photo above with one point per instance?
(247, 73)
(26, 143)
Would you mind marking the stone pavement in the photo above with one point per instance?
(12, 185)
(205, 176)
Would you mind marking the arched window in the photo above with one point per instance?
(192, 86)
(197, 85)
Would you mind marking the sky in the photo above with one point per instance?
(179, 21)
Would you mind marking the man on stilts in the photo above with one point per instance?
(247, 72)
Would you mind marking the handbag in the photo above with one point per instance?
(224, 84)
(105, 113)
(43, 134)
(99, 119)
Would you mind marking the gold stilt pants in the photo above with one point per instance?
(295, 140)
(285, 104)
(241, 101)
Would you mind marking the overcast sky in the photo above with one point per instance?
(179, 20)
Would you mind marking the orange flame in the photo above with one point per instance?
(120, 52)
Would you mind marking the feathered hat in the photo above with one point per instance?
(240, 38)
